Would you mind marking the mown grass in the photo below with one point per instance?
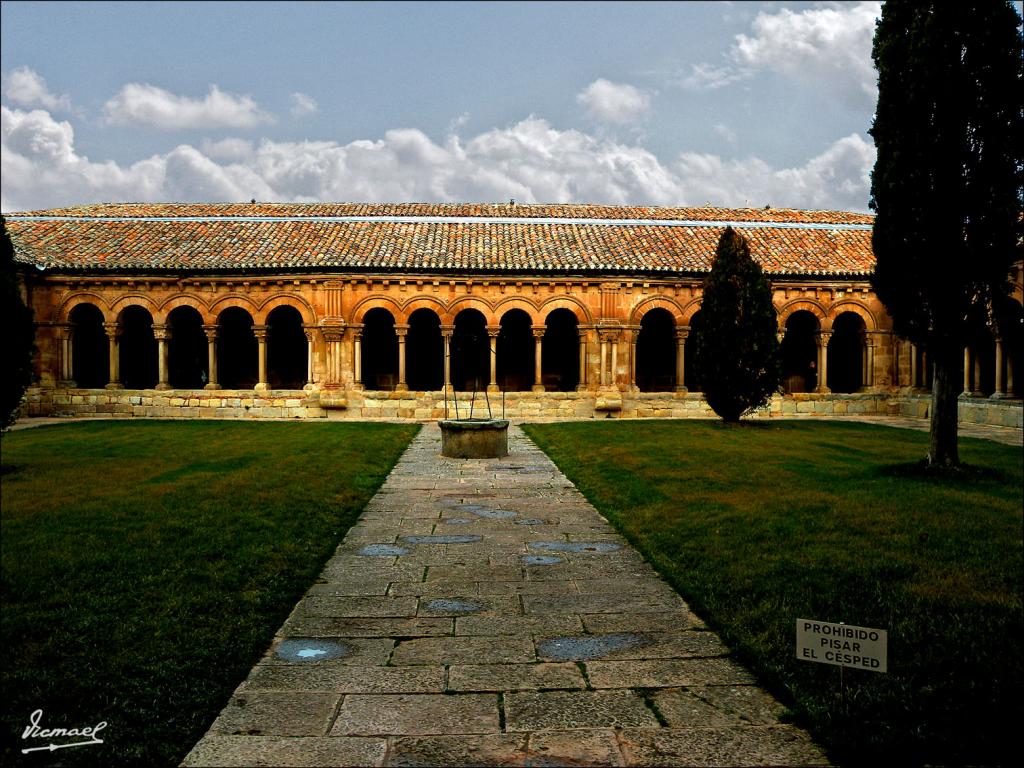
(146, 566)
(762, 524)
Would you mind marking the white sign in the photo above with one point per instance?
(843, 645)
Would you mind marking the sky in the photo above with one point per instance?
(680, 104)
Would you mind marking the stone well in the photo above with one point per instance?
(474, 438)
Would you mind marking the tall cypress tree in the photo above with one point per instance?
(18, 335)
(947, 183)
(737, 349)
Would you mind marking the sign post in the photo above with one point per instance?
(843, 645)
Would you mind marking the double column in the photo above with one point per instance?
(609, 356)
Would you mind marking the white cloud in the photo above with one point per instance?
(530, 161)
(724, 132)
(617, 103)
(148, 105)
(303, 104)
(830, 44)
(27, 88)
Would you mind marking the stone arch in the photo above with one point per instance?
(379, 347)
(436, 306)
(797, 305)
(850, 305)
(90, 352)
(560, 352)
(478, 303)
(424, 349)
(118, 306)
(799, 349)
(846, 352)
(68, 305)
(516, 363)
(506, 305)
(656, 348)
(577, 307)
(470, 349)
(292, 300)
(233, 301)
(287, 349)
(656, 302)
(187, 358)
(185, 300)
(691, 308)
(137, 347)
(237, 348)
(370, 303)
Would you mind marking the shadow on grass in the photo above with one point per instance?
(964, 474)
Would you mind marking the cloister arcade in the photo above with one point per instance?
(515, 346)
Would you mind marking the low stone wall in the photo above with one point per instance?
(423, 406)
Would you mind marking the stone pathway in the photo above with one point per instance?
(481, 612)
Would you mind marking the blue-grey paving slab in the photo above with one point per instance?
(481, 612)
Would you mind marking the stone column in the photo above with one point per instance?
(967, 372)
(260, 331)
(976, 389)
(538, 352)
(582, 382)
(357, 356)
(868, 354)
(615, 360)
(211, 354)
(492, 340)
(603, 340)
(162, 334)
(446, 334)
(913, 366)
(1000, 389)
(401, 331)
(307, 331)
(67, 363)
(822, 337)
(681, 336)
(634, 333)
(113, 337)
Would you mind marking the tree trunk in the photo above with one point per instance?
(946, 386)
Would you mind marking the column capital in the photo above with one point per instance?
(161, 332)
(682, 333)
(211, 332)
(539, 331)
(823, 337)
(113, 329)
(260, 332)
(492, 330)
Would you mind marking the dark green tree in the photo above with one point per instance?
(18, 334)
(947, 183)
(736, 352)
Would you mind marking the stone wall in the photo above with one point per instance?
(367, 405)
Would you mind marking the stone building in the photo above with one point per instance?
(357, 311)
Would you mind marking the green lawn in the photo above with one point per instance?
(146, 566)
(762, 524)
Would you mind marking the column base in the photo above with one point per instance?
(401, 388)
(493, 389)
(67, 384)
(114, 385)
(261, 387)
(538, 388)
(998, 396)
(822, 391)
(213, 385)
(163, 386)
(682, 390)
(311, 387)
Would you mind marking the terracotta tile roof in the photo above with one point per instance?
(434, 238)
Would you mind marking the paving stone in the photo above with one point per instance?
(501, 749)
(277, 714)
(417, 714)
(433, 688)
(779, 745)
(551, 749)
(514, 677)
(670, 621)
(558, 710)
(334, 626)
(525, 626)
(358, 606)
(299, 752)
(747, 702)
(339, 679)
(463, 650)
(666, 673)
